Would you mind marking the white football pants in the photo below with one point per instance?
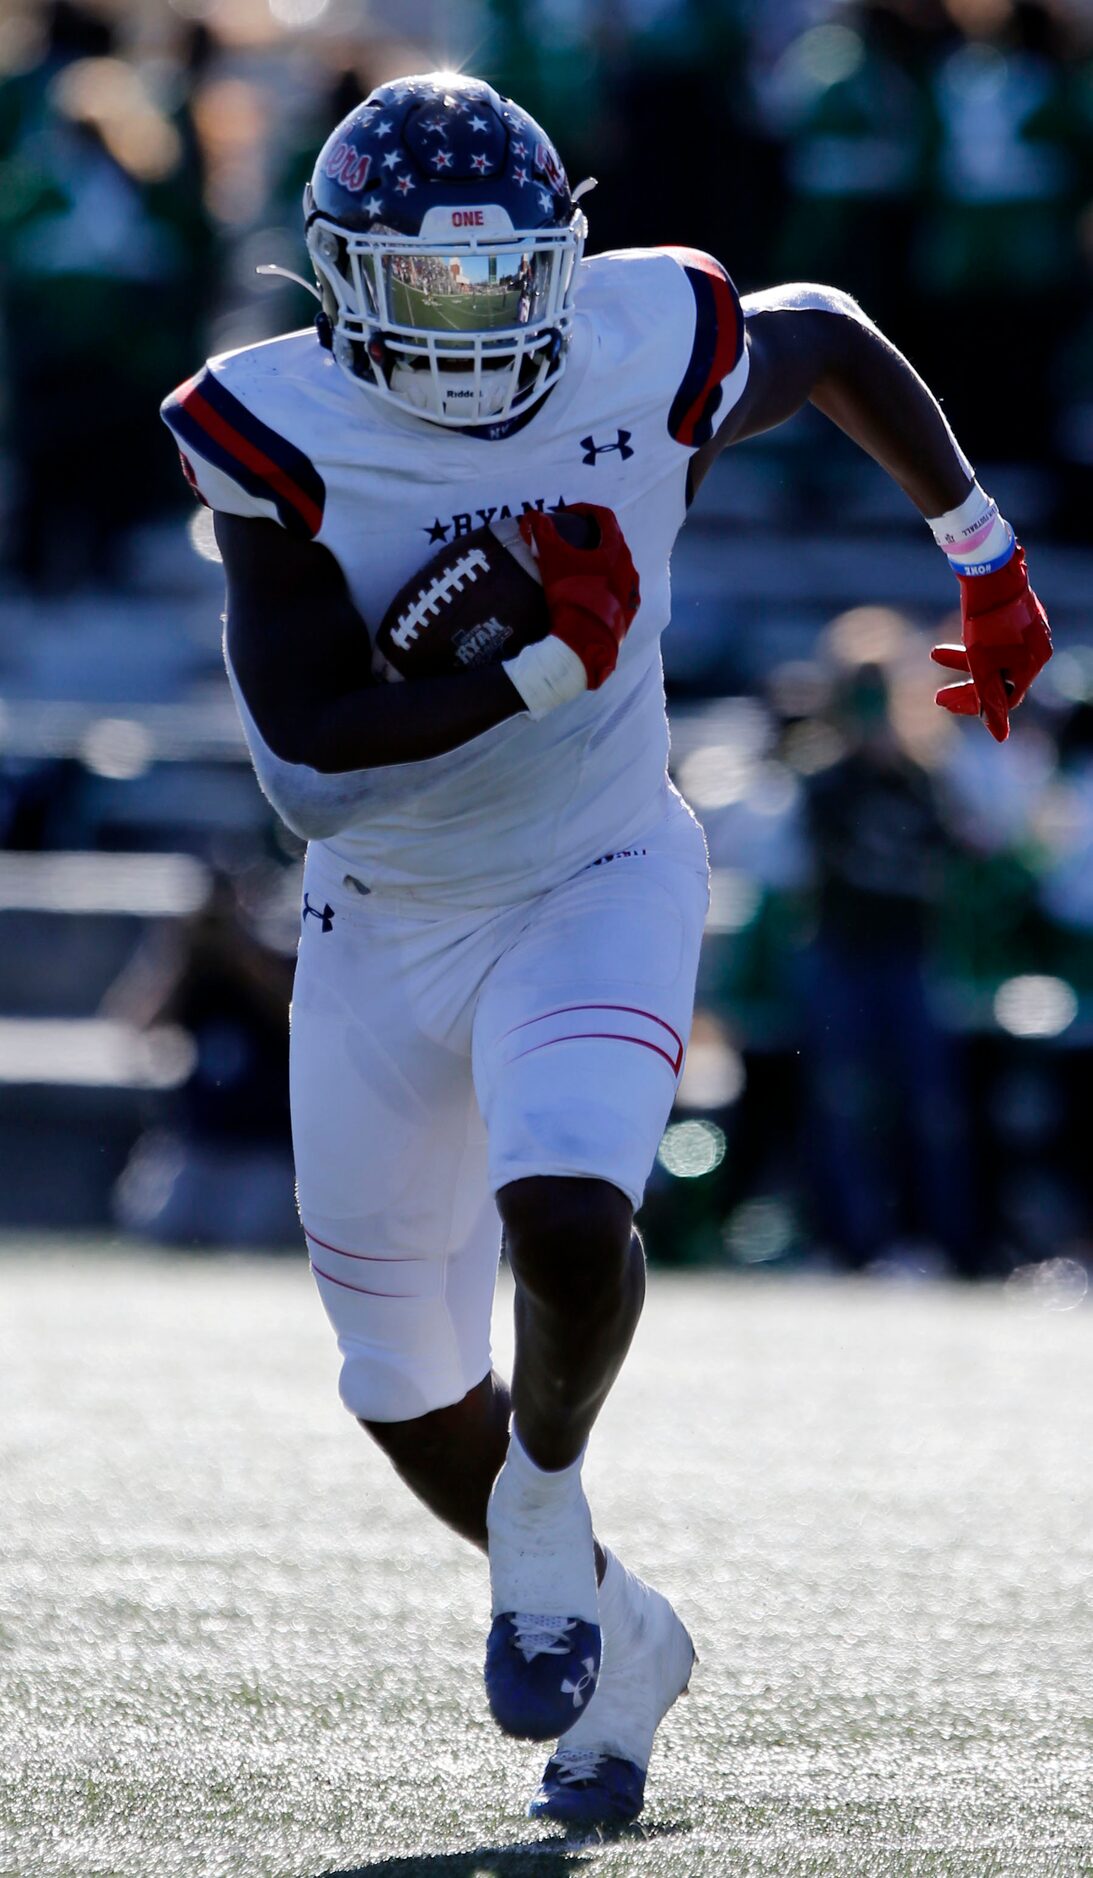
(439, 1053)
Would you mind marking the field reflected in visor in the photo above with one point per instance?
(458, 292)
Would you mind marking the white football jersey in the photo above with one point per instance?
(278, 431)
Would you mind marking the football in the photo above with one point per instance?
(478, 600)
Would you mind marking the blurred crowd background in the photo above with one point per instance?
(892, 1053)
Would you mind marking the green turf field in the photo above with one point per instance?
(458, 312)
(229, 1644)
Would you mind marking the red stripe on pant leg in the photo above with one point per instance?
(632, 1010)
(367, 1258)
(675, 1064)
(363, 1289)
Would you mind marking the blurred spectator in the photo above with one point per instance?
(998, 252)
(883, 1132)
(103, 249)
(1065, 829)
(850, 100)
(220, 1172)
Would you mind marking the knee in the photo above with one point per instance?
(450, 1445)
(562, 1233)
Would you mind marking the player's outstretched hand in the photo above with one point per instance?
(1006, 642)
(592, 591)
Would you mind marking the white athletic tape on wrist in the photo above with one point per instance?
(975, 537)
(547, 674)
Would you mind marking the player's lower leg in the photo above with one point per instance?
(450, 1457)
(580, 1282)
(580, 1286)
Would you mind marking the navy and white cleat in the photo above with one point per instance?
(584, 1787)
(544, 1648)
(596, 1776)
(541, 1673)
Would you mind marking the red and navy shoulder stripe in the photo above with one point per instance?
(717, 348)
(206, 417)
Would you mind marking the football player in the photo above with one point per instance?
(503, 894)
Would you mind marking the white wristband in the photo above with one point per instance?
(974, 536)
(547, 674)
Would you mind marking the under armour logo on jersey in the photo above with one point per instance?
(593, 450)
(325, 917)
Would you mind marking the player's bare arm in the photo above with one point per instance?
(302, 655)
(814, 345)
(828, 354)
(301, 651)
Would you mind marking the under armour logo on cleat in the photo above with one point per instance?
(593, 450)
(579, 1689)
(326, 917)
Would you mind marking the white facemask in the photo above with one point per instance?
(415, 386)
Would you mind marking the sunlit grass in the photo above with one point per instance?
(229, 1643)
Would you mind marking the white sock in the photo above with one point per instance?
(647, 1659)
(541, 1486)
(542, 1555)
(619, 1593)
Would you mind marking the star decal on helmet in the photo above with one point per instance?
(467, 157)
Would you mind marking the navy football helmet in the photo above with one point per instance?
(445, 241)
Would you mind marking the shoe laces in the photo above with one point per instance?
(541, 1636)
(573, 1766)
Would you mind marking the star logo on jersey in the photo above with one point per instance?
(480, 162)
(593, 450)
(404, 184)
(443, 159)
(392, 160)
(520, 175)
(383, 130)
(465, 521)
(479, 123)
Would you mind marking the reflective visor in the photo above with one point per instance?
(461, 292)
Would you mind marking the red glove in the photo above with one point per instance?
(1006, 642)
(592, 592)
